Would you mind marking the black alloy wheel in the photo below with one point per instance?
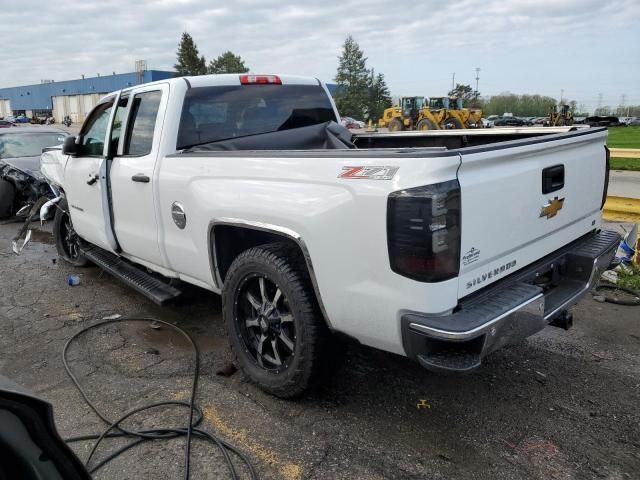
(265, 322)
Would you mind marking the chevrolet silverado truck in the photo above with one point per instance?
(440, 246)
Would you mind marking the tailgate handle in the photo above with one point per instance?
(552, 178)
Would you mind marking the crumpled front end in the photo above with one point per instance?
(29, 187)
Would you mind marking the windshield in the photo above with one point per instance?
(13, 145)
(211, 114)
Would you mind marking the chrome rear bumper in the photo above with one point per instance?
(510, 310)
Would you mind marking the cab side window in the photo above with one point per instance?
(142, 123)
(95, 131)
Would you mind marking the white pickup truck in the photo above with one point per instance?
(442, 246)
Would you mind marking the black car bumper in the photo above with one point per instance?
(511, 309)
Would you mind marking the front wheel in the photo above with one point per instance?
(396, 125)
(276, 331)
(452, 123)
(426, 124)
(67, 240)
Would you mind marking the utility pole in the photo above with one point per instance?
(623, 99)
(453, 80)
(561, 96)
(477, 81)
(599, 100)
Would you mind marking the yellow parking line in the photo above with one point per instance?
(242, 439)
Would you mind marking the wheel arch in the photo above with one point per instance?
(228, 237)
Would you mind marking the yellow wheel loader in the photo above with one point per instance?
(403, 116)
(561, 118)
(452, 115)
(411, 113)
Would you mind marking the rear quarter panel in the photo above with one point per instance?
(341, 221)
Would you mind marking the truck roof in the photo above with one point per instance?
(229, 79)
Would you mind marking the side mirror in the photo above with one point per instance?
(69, 146)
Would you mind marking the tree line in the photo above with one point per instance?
(362, 93)
(620, 111)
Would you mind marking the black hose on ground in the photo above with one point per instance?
(115, 429)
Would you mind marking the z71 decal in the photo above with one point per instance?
(368, 173)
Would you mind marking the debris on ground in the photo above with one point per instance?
(541, 377)
(112, 317)
(226, 371)
(73, 280)
(17, 249)
(610, 276)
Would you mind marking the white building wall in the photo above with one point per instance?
(5, 108)
(76, 106)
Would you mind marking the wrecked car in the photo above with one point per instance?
(21, 183)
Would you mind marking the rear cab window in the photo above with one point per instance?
(215, 113)
(142, 123)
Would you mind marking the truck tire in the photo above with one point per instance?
(426, 124)
(396, 125)
(452, 123)
(275, 328)
(67, 240)
(7, 198)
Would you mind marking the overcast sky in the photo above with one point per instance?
(586, 47)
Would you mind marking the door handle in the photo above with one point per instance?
(93, 179)
(140, 177)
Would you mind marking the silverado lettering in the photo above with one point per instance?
(491, 274)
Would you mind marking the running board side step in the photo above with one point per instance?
(133, 276)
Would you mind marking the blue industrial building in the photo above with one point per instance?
(30, 99)
(75, 98)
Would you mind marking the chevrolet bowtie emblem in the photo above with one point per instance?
(552, 208)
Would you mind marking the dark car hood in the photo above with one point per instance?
(28, 165)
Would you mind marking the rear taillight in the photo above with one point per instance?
(605, 189)
(423, 231)
(260, 80)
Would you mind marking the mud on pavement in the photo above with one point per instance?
(561, 405)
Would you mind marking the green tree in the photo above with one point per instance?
(228, 62)
(352, 77)
(379, 96)
(465, 92)
(190, 62)
(573, 105)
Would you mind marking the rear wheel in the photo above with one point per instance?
(426, 124)
(452, 123)
(7, 198)
(67, 240)
(274, 326)
(396, 125)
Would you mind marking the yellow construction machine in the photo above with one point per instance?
(451, 114)
(561, 118)
(411, 113)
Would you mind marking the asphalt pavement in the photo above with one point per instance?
(561, 405)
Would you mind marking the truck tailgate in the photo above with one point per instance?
(525, 199)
